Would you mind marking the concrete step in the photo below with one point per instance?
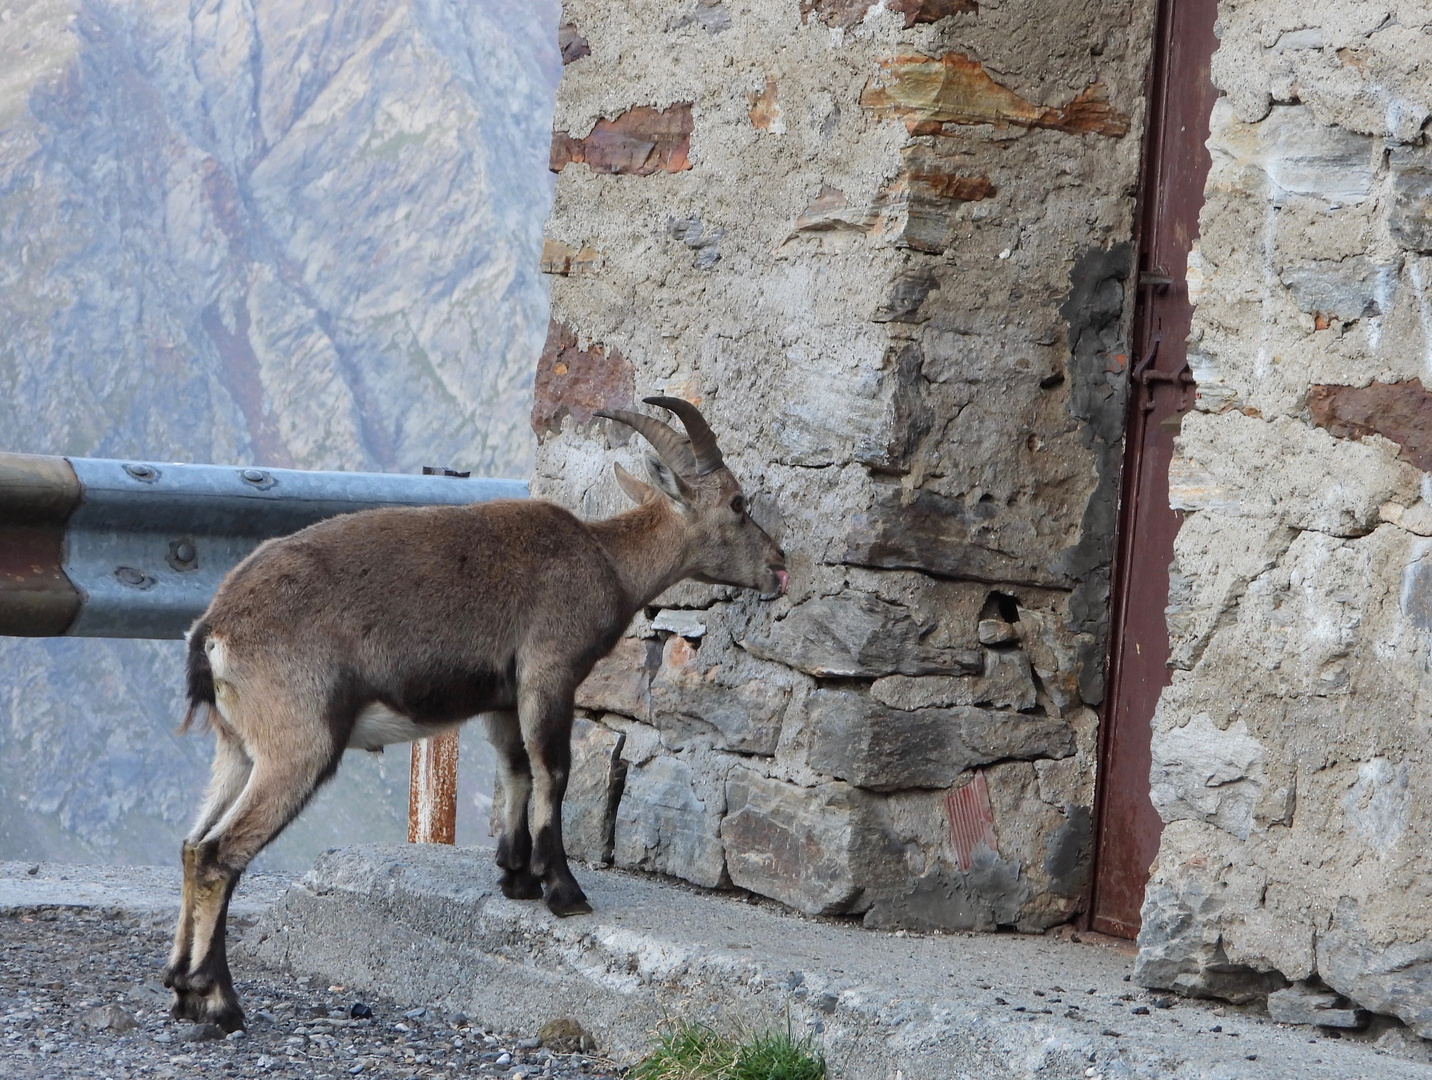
(425, 923)
(141, 891)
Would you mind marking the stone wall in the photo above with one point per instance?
(884, 247)
(1291, 753)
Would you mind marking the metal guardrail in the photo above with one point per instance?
(92, 547)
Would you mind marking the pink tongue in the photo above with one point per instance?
(785, 580)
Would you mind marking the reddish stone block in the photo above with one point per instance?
(639, 142)
(929, 11)
(765, 110)
(577, 382)
(929, 92)
(1400, 411)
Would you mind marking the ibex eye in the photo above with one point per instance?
(738, 503)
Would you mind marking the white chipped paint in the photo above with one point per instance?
(423, 807)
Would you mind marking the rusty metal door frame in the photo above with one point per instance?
(1175, 166)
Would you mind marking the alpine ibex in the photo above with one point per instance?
(389, 625)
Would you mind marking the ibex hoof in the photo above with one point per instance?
(176, 979)
(229, 1017)
(519, 886)
(186, 1007)
(565, 900)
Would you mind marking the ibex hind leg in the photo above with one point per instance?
(514, 846)
(547, 734)
(229, 774)
(282, 781)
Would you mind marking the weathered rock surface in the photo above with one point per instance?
(1386, 976)
(1411, 221)
(1301, 1004)
(859, 635)
(869, 745)
(1180, 947)
(668, 820)
(621, 681)
(815, 849)
(988, 895)
(594, 787)
(1007, 683)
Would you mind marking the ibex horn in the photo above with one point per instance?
(669, 446)
(703, 443)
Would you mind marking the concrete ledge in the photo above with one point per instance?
(150, 891)
(425, 923)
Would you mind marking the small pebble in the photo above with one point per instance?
(201, 1033)
(503, 1059)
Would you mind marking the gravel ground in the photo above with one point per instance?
(80, 995)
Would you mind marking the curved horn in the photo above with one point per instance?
(669, 446)
(703, 442)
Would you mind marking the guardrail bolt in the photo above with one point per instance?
(135, 579)
(146, 473)
(183, 555)
(258, 478)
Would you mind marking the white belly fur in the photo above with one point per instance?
(379, 726)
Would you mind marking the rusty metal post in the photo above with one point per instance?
(37, 497)
(432, 791)
(432, 781)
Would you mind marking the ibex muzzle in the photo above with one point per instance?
(391, 625)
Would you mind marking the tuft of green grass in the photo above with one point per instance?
(775, 1055)
(696, 1052)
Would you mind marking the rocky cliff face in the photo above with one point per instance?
(284, 233)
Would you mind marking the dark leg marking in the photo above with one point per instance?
(514, 846)
(550, 749)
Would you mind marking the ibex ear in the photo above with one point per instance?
(670, 482)
(636, 491)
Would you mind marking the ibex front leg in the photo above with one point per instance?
(547, 734)
(514, 846)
